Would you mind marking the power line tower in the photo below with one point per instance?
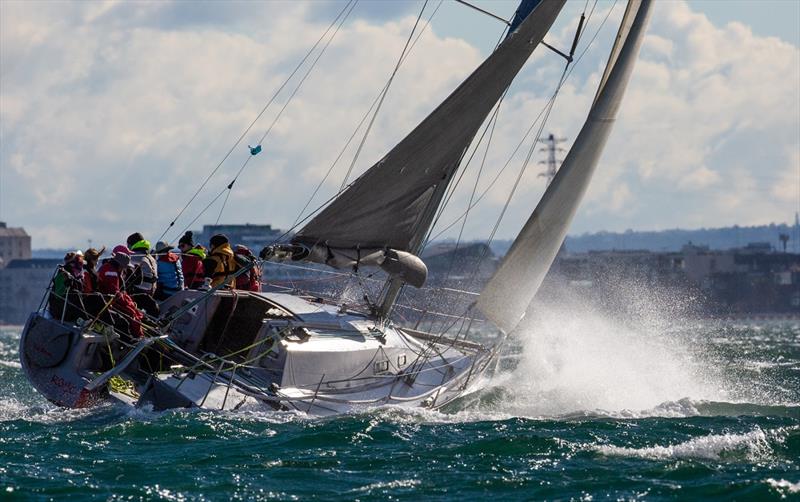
(796, 232)
(552, 163)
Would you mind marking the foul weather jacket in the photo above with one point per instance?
(170, 275)
(220, 264)
(147, 273)
(192, 270)
(109, 282)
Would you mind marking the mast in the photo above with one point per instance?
(395, 284)
(383, 217)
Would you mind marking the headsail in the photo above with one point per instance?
(509, 292)
(388, 207)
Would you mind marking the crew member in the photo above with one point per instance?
(170, 272)
(220, 263)
(90, 259)
(251, 281)
(191, 261)
(110, 282)
(143, 282)
(65, 296)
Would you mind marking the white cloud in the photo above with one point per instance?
(111, 114)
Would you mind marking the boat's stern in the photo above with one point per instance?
(56, 357)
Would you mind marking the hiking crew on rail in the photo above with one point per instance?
(131, 283)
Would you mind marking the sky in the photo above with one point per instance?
(113, 113)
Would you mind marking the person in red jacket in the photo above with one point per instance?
(251, 281)
(191, 261)
(90, 259)
(110, 282)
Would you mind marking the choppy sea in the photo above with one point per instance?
(584, 407)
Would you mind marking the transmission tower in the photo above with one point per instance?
(552, 163)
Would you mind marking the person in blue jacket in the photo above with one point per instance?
(170, 272)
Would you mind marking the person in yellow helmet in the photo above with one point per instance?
(142, 284)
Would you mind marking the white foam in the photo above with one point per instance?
(783, 486)
(576, 359)
(388, 485)
(11, 409)
(754, 445)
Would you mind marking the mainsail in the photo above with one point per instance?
(508, 293)
(391, 206)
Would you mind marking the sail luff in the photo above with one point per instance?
(622, 34)
(506, 296)
(389, 205)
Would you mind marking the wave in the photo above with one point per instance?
(755, 445)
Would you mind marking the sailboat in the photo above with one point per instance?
(224, 349)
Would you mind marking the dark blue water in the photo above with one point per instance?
(586, 408)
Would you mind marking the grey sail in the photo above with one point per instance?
(508, 293)
(389, 206)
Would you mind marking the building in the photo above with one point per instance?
(15, 244)
(468, 261)
(253, 236)
(754, 279)
(22, 287)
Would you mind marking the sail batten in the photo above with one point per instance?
(388, 206)
(507, 295)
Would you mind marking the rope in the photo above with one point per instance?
(452, 188)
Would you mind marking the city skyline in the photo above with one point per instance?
(111, 119)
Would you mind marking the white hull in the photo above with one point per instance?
(238, 348)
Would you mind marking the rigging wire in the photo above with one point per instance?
(527, 133)
(294, 92)
(263, 110)
(452, 186)
(565, 75)
(493, 123)
(546, 112)
(363, 119)
(383, 96)
(530, 129)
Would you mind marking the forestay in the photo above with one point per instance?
(388, 207)
(509, 292)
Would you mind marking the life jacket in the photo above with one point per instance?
(147, 273)
(89, 280)
(251, 281)
(109, 277)
(64, 280)
(170, 274)
(65, 293)
(220, 264)
(192, 266)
